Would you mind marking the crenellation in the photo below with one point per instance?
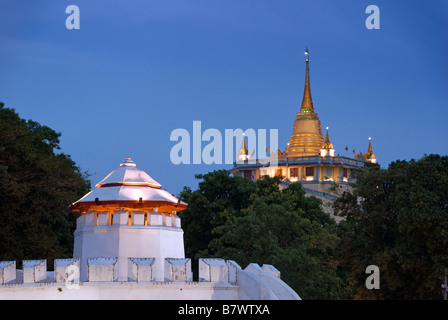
(118, 218)
(213, 270)
(270, 269)
(235, 283)
(121, 217)
(141, 269)
(63, 268)
(155, 219)
(34, 271)
(7, 272)
(233, 268)
(102, 269)
(178, 269)
(103, 218)
(167, 221)
(138, 218)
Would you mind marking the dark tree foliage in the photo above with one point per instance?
(36, 187)
(397, 219)
(238, 219)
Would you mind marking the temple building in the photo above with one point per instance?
(308, 158)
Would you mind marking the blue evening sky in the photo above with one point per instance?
(137, 70)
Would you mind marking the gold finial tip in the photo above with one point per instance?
(370, 138)
(327, 128)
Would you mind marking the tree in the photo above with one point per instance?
(220, 197)
(397, 219)
(238, 219)
(36, 187)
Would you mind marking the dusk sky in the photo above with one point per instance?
(137, 70)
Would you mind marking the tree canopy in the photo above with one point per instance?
(36, 187)
(397, 219)
(394, 218)
(238, 219)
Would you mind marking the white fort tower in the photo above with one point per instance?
(129, 245)
(128, 215)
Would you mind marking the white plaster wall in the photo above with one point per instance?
(122, 291)
(126, 241)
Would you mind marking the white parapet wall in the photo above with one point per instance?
(219, 279)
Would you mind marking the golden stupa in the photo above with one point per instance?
(306, 138)
(370, 156)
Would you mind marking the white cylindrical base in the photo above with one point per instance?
(160, 237)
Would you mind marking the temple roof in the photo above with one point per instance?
(130, 188)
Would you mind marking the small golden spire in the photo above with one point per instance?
(370, 156)
(307, 102)
(243, 149)
(243, 153)
(369, 148)
(327, 144)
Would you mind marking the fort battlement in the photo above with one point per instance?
(218, 279)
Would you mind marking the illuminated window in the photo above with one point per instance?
(294, 172)
(309, 171)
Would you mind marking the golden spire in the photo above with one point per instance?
(370, 156)
(369, 148)
(243, 149)
(306, 138)
(307, 102)
(243, 153)
(327, 144)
